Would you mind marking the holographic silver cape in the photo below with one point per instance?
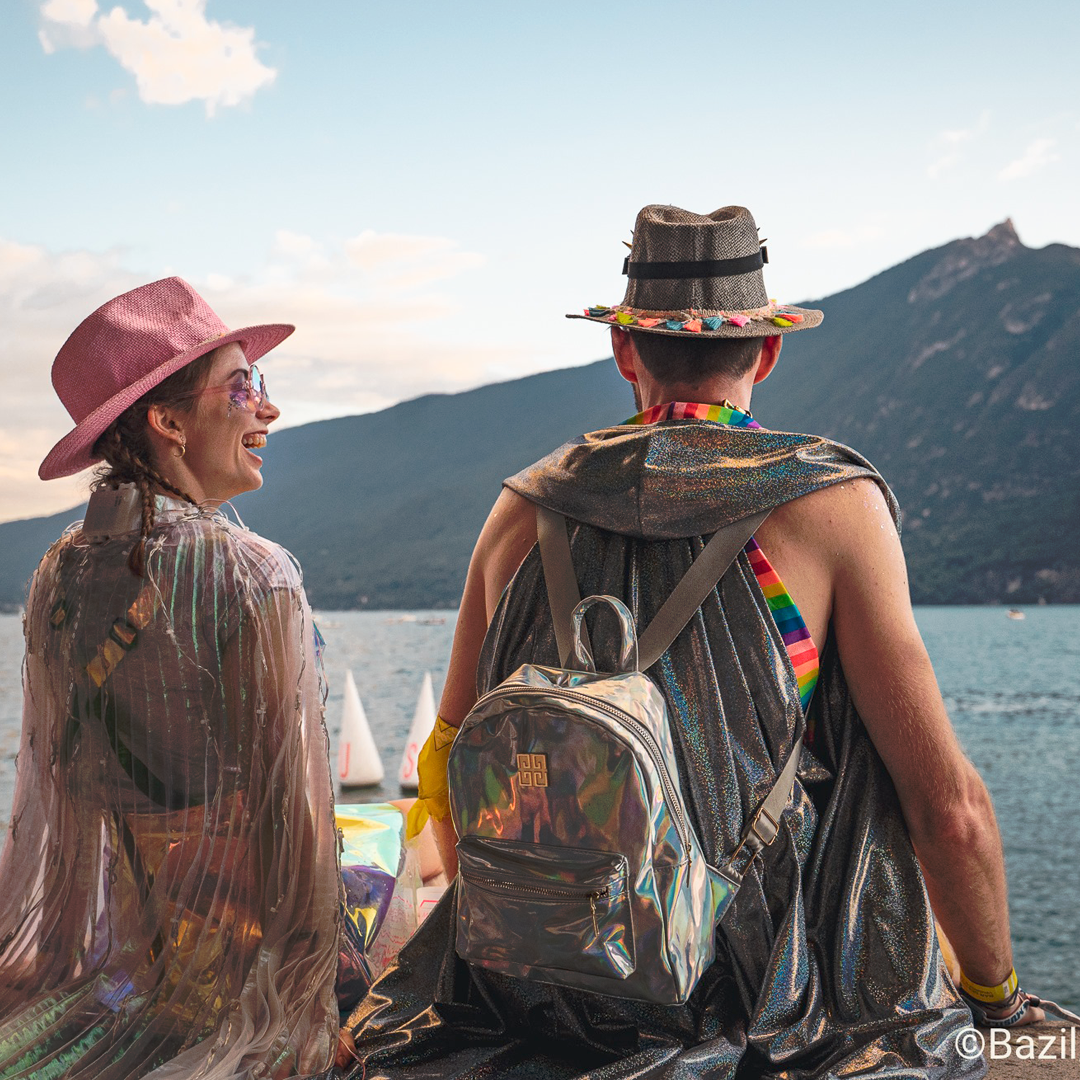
(170, 887)
(828, 964)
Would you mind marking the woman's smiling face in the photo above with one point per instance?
(222, 431)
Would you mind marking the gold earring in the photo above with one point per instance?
(181, 449)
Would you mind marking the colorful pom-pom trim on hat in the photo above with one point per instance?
(694, 322)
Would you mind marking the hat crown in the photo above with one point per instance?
(128, 338)
(669, 234)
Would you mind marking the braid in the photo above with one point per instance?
(137, 557)
(168, 485)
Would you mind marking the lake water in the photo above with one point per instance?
(1011, 687)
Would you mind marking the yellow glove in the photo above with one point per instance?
(433, 794)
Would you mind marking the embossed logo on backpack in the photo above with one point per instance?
(532, 770)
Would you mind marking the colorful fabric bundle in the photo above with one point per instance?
(372, 856)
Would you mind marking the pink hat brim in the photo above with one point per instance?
(74, 452)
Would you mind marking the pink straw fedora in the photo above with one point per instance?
(127, 347)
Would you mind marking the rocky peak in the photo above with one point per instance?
(1004, 234)
(965, 258)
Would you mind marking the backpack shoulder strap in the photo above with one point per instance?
(764, 827)
(690, 593)
(560, 579)
(694, 586)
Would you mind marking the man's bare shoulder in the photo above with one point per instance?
(823, 541)
(507, 537)
(834, 519)
(835, 522)
(511, 520)
(857, 497)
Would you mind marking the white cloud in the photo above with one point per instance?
(948, 145)
(42, 297)
(942, 165)
(290, 243)
(370, 250)
(177, 55)
(1038, 155)
(369, 311)
(405, 262)
(67, 24)
(72, 12)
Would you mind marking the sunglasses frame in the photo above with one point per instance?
(244, 397)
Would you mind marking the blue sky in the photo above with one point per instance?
(425, 189)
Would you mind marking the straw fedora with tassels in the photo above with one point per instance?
(127, 347)
(699, 275)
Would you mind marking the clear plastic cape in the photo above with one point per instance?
(170, 886)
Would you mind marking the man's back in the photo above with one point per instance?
(840, 890)
(828, 962)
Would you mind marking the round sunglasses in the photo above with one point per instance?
(251, 393)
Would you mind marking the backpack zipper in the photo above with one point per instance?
(561, 892)
(646, 736)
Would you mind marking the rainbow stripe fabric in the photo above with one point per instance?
(800, 646)
(683, 410)
(797, 640)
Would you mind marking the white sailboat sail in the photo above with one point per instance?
(422, 725)
(359, 764)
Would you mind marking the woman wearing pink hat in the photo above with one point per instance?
(170, 882)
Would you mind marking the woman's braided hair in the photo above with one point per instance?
(127, 452)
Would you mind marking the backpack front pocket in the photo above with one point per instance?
(524, 905)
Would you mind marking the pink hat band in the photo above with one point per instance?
(126, 348)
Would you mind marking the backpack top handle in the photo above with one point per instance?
(564, 595)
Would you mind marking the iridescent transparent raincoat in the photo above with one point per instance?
(169, 888)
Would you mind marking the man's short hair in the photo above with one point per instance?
(684, 359)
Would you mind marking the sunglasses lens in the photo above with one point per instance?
(258, 387)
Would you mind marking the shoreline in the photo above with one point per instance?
(9, 607)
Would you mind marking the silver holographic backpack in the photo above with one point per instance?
(578, 862)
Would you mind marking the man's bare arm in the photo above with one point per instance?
(507, 537)
(945, 803)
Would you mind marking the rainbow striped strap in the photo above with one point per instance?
(723, 413)
(800, 646)
(991, 995)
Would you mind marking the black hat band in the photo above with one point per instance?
(707, 268)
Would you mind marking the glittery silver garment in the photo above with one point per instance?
(170, 889)
(827, 963)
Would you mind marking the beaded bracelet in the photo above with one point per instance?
(1018, 1005)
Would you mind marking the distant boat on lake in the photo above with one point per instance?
(359, 764)
(422, 725)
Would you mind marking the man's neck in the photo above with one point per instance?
(731, 393)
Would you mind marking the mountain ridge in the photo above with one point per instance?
(954, 371)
